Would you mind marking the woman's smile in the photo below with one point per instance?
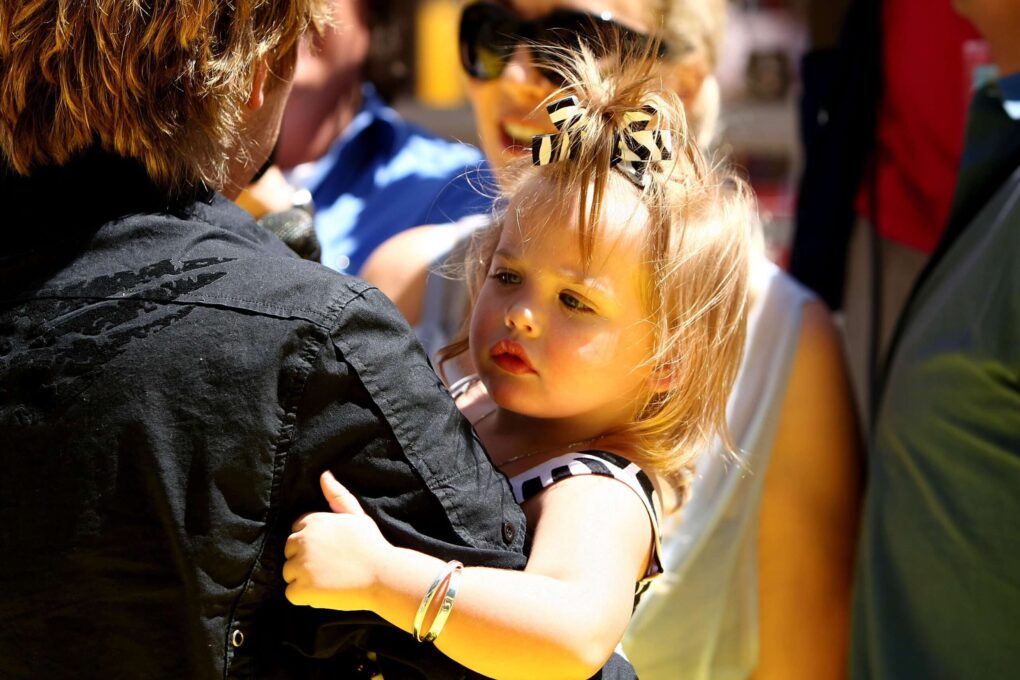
(517, 134)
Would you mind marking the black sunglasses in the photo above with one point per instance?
(489, 33)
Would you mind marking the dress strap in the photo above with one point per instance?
(458, 388)
(605, 464)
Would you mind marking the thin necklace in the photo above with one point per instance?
(549, 449)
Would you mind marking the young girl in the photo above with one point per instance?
(607, 325)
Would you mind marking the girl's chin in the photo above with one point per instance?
(522, 404)
(508, 397)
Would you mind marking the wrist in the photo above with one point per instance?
(399, 585)
(437, 602)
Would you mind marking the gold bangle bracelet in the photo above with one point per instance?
(419, 618)
(447, 606)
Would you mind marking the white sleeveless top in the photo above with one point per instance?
(699, 620)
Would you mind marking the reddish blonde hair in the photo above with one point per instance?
(693, 30)
(161, 82)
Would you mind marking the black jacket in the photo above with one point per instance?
(172, 382)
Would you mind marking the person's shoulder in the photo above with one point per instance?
(819, 336)
(769, 280)
(430, 147)
(409, 250)
(818, 402)
(216, 256)
(424, 136)
(400, 266)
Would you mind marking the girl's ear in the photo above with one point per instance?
(662, 378)
(257, 96)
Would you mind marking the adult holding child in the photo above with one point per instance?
(173, 380)
(758, 566)
(608, 315)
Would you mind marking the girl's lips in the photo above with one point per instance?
(511, 357)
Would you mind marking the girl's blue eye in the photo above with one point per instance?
(507, 278)
(574, 303)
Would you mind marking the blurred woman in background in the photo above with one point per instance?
(759, 563)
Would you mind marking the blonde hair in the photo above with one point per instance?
(697, 246)
(161, 82)
(693, 30)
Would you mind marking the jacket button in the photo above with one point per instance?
(509, 532)
(237, 637)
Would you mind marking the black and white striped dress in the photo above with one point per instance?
(591, 462)
(602, 463)
(605, 464)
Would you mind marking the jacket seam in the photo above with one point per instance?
(309, 315)
(281, 448)
(436, 478)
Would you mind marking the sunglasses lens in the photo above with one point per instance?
(489, 33)
(487, 39)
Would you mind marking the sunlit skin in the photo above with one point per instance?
(998, 21)
(562, 351)
(327, 86)
(271, 85)
(806, 538)
(507, 110)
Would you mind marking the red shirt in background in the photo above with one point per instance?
(921, 120)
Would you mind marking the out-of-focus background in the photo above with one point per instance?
(414, 65)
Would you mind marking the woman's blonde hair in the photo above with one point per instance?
(161, 82)
(693, 31)
(697, 246)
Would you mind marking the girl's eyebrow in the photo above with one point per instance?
(566, 273)
(591, 282)
(595, 283)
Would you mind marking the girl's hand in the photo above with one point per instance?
(333, 559)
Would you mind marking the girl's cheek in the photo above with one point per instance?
(491, 322)
(595, 349)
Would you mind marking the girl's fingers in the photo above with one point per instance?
(339, 498)
(289, 572)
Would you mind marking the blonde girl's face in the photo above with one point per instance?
(551, 340)
(505, 108)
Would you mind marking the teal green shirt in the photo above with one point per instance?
(937, 593)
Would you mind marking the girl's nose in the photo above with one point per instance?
(521, 318)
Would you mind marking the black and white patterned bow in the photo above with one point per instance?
(634, 146)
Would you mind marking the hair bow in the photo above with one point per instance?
(634, 145)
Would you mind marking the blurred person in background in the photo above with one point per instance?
(882, 122)
(758, 566)
(936, 593)
(366, 173)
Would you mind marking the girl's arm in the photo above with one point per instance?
(808, 526)
(560, 618)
